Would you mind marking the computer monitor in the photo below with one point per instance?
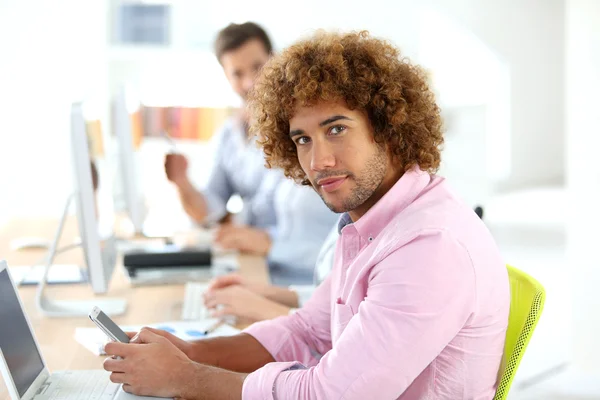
(95, 228)
(95, 219)
(131, 186)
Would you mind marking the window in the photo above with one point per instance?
(143, 24)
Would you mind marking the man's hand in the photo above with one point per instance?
(151, 365)
(176, 166)
(280, 295)
(244, 239)
(181, 344)
(221, 282)
(242, 302)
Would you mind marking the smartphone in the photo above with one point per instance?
(107, 326)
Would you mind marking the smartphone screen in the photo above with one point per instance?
(113, 328)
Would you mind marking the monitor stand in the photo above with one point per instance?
(70, 308)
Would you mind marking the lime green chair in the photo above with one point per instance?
(527, 298)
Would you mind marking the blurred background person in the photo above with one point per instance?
(241, 297)
(238, 165)
(285, 222)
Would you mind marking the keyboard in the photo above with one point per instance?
(81, 385)
(193, 302)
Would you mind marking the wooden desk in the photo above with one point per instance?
(55, 336)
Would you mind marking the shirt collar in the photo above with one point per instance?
(400, 196)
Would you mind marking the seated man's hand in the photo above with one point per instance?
(176, 166)
(224, 281)
(244, 239)
(151, 365)
(242, 302)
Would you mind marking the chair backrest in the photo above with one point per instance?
(527, 298)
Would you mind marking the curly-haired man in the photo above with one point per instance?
(417, 304)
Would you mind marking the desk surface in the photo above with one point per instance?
(55, 336)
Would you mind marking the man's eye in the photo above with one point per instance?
(337, 129)
(302, 140)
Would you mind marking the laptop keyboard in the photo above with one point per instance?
(81, 385)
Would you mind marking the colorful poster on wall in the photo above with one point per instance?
(180, 122)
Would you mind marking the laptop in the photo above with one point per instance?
(23, 368)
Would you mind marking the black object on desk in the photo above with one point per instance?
(169, 256)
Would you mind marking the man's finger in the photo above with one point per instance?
(115, 365)
(146, 335)
(220, 296)
(118, 349)
(136, 337)
(224, 281)
(135, 390)
(230, 242)
(223, 230)
(228, 230)
(159, 332)
(224, 311)
(117, 377)
(211, 302)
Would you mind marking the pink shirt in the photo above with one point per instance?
(416, 307)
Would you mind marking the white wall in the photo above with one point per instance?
(583, 176)
(475, 100)
(189, 74)
(52, 54)
(504, 56)
(529, 37)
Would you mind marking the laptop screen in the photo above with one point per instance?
(16, 340)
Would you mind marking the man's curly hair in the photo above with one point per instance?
(363, 72)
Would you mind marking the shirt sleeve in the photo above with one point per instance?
(303, 336)
(418, 299)
(218, 188)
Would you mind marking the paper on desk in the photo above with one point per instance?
(94, 339)
(58, 273)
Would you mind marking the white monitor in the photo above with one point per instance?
(131, 186)
(94, 219)
(97, 238)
